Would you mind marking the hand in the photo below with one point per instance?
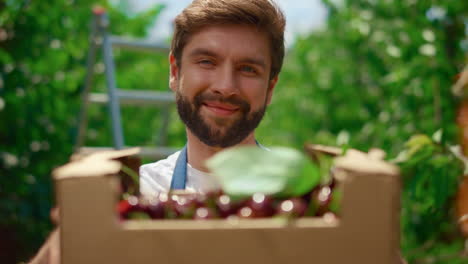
(50, 251)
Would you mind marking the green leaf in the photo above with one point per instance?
(437, 136)
(246, 170)
(335, 203)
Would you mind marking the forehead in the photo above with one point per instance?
(230, 40)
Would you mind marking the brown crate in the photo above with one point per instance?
(366, 233)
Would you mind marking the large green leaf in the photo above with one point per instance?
(246, 170)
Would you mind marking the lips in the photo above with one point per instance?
(221, 108)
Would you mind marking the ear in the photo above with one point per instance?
(271, 87)
(174, 72)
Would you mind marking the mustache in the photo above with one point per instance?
(239, 102)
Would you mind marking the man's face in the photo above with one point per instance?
(223, 83)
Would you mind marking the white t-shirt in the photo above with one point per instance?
(156, 178)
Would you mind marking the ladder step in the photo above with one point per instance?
(139, 45)
(154, 153)
(129, 97)
(100, 37)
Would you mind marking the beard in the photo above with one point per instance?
(225, 132)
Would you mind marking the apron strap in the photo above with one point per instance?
(179, 177)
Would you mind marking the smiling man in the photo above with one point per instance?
(225, 59)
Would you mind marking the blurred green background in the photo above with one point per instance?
(379, 72)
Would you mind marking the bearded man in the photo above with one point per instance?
(224, 64)
(225, 59)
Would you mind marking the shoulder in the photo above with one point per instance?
(156, 177)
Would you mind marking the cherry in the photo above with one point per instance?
(168, 204)
(130, 208)
(123, 208)
(246, 212)
(330, 217)
(204, 213)
(261, 205)
(209, 198)
(154, 207)
(225, 206)
(201, 200)
(185, 207)
(294, 207)
(320, 201)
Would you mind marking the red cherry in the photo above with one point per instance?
(123, 207)
(320, 201)
(185, 207)
(294, 207)
(246, 212)
(261, 205)
(154, 207)
(129, 207)
(204, 213)
(225, 206)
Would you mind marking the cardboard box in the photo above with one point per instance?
(367, 231)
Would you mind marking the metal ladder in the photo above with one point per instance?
(116, 97)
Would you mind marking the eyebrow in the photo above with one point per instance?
(206, 52)
(255, 61)
(202, 51)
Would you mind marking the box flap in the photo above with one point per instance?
(97, 164)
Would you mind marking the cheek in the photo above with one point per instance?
(256, 92)
(193, 82)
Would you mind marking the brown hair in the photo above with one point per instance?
(263, 14)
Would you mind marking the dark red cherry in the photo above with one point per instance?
(185, 207)
(130, 208)
(202, 213)
(154, 207)
(123, 207)
(320, 201)
(246, 212)
(225, 206)
(261, 205)
(294, 207)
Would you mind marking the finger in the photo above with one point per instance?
(55, 215)
(54, 250)
(43, 256)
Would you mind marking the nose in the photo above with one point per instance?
(225, 81)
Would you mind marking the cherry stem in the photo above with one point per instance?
(130, 173)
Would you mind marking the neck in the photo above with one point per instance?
(198, 152)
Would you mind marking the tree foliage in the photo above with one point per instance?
(43, 48)
(379, 72)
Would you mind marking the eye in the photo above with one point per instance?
(248, 69)
(206, 63)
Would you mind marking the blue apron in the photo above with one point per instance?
(179, 177)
